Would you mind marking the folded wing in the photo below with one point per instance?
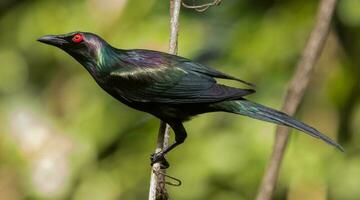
(156, 78)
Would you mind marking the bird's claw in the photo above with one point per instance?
(159, 158)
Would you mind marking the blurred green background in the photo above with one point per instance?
(62, 137)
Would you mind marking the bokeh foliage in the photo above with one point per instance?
(62, 137)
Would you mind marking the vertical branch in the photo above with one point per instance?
(157, 182)
(295, 93)
(157, 189)
(174, 25)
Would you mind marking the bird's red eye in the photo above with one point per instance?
(77, 38)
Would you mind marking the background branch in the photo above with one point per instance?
(157, 182)
(202, 7)
(295, 93)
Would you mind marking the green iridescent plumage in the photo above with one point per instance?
(170, 87)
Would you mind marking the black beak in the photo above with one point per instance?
(54, 40)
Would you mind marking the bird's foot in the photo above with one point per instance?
(159, 158)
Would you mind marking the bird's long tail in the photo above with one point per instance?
(260, 112)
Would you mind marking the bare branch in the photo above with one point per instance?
(295, 93)
(202, 7)
(157, 183)
(175, 6)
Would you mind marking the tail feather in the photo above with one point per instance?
(257, 111)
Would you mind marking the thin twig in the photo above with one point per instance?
(295, 93)
(202, 7)
(157, 182)
(175, 6)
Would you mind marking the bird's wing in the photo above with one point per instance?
(192, 66)
(150, 77)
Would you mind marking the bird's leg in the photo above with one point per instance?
(180, 136)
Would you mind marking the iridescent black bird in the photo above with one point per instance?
(170, 87)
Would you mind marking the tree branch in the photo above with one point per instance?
(157, 182)
(295, 93)
(202, 7)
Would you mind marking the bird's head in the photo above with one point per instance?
(84, 47)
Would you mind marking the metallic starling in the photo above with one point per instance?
(170, 87)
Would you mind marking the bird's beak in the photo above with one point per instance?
(54, 40)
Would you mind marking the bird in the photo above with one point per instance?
(169, 87)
